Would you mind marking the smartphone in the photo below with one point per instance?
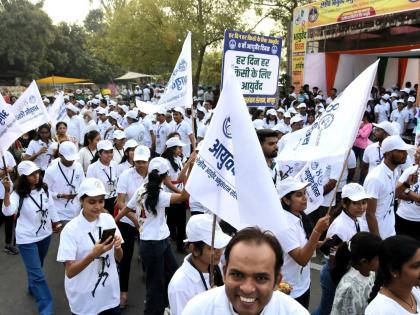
(334, 241)
(106, 234)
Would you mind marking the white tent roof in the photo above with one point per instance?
(134, 75)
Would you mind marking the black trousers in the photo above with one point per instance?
(110, 205)
(304, 299)
(129, 234)
(9, 225)
(405, 227)
(176, 217)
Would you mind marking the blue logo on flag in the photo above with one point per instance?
(226, 128)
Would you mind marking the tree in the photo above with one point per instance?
(212, 68)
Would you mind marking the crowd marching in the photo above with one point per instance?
(109, 175)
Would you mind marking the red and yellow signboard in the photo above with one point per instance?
(327, 12)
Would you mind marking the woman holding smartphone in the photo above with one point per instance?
(91, 278)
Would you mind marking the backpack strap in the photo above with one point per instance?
(19, 207)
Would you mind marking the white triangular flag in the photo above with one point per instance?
(333, 133)
(57, 110)
(231, 177)
(179, 90)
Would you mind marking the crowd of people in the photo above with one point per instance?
(109, 175)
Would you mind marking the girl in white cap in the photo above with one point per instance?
(127, 160)
(39, 150)
(128, 182)
(119, 141)
(346, 224)
(105, 169)
(88, 152)
(36, 220)
(150, 201)
(91, 277)
(299, 241)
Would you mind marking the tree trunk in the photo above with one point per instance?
(196, 80)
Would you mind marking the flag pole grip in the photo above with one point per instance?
(213, 231)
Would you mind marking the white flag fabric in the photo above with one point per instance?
(231, 177)
(333, 133)
(179, 90)
(148, 108)
(57, 111)
(2, 101)
(27, 113)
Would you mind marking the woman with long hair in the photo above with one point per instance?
(127, 160)
(105, 169)
(355, 264)
(119, 141)
(396, 285)
(88, 152)
(40, 150)
(176, 213)
(89, 254)
(128, 182)
(149, 202)
(299, 241)
(36, 220)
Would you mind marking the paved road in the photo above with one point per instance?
(15, 300)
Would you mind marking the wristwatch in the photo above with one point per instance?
(407, 190)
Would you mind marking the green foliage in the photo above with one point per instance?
(212, 68)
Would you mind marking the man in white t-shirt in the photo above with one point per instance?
(382, 110)
(400, 116)
(162, 130)
(252, 275)
(185, 131)
(75, 124)
(380, 186)
(134, 130)
(146, 93)
(268, 141)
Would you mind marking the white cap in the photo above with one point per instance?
(199, 146)
(179, 110)
(280, 110)
(385, 97)
(160, 164)
(281, 128)
(132, 114)
(354, 192)
(174, 142)
(394, 94)
(272, 111)
(199, 228)
(386, 126)
(292, 110)
(288, 185)
(78, 91)
(406, 90)
(102, 111)
(296, 119)
(141, 153)
(81, 102)
(321, 110)
(392, 143)
(130, 144)
(411, 99)
(95, 101)
(301, 105)
(105, 145)
(114, 115)
(46, 100)
(66, 97)
(400, 101)
(293, 95)
(27, 168)
(258, 124)
(68, 150)
(73, 108)
(162, 111)
(201, 109)
(318, 97)
(287, 115)
(111, 102)
(119, 134)
(92, 187)
(124, 108)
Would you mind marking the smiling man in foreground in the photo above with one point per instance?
(252, 275)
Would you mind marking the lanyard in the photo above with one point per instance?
(92, 238)
(380, 158)
(44, 213)
(121, 155)
(69, 183)
(90, 152)
(199, 272)
(356, 223)
(110, 174)
(36, 203)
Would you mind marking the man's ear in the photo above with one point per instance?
(278, 280)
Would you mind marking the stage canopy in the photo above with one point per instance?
(133, 76)
(59, 80)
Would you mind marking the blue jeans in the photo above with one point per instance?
(160, 265)
(33, 255)
(328, 291)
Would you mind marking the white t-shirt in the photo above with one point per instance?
(33, 225)
(136, 132)
(201, 131)
(154, 227)
(401, 117)
(215, 302)
(91, 125)
(54, 178)
(345, 227)
(380, 185)
(76, 128)
(162, 131)
(85, 156)
(146, 94)
(106, 174)
(43, 160)
(118, 155)
(332, 171)
(10, 162)
(409, 210)
(103, 127)
(411, 113)
(148, 127)
(373, 155)
(383, 305)
(174, 174)
(382, 111)
(75, 244)
(185, 284)
(184, 129)
(294, 237)
(128, 183)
